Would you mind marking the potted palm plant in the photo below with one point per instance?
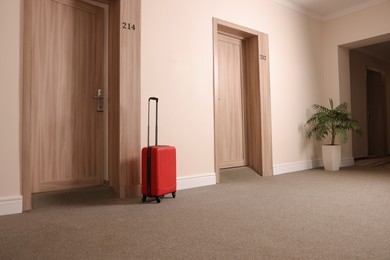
(336, 123)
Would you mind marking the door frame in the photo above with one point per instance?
(123, 104)
(257, 96)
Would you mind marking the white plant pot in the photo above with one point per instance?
(331, 157)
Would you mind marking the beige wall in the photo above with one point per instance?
(177, 66)
(359, 64)
(349, 31)
(10, 43)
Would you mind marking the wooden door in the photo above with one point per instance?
(376, 113)
(66, 71)
(231, 117)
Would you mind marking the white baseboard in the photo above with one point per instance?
(195, 181)
(307, 165)
(297, 166)
(11, 205)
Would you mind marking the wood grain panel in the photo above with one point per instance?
(124, 99)
(105, 1)
(130, 100)
(265, 106)
(216, 94)
(230, 103)
(256, 95)
(252, 95)
(66, 133)
(124, 165)
(113, 96)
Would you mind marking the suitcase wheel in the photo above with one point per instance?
(174, 194)
(143, 198)
(158, 199)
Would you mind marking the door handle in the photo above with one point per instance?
(99, 100)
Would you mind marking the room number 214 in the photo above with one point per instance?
(128, 26)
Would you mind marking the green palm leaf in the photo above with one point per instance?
(336, 122)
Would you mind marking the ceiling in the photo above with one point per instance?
(328, 9)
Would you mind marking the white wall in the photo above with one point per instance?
(177, 66)
(348, 31)
(10, 85)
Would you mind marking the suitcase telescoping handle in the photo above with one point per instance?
(155, 99)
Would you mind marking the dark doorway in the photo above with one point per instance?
(376, 114)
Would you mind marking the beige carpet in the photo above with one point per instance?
(305, 215)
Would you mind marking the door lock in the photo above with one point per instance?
(99, 100)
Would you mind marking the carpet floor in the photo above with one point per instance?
(303, 215)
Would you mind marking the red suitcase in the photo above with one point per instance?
(158, 167)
